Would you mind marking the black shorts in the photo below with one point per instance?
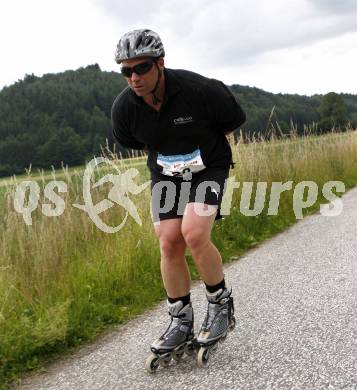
(169, 194)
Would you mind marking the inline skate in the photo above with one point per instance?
(218, 322)
(177, 340)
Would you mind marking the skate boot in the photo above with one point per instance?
(218, 322)
(176, 340)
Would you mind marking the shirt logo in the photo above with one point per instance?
(183, 120)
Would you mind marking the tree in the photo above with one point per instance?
(333, 112)
(64, 145)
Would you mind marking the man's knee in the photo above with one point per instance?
(195, 237)
(172, 243)
(171, 249)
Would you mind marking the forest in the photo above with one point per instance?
(65, 117)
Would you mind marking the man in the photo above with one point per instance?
(181, 118)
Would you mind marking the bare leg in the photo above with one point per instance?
(174, 270)
(196, 231)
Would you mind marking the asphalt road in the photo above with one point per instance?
(296, 309)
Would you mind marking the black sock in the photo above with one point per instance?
(185, 299)
(216, 287)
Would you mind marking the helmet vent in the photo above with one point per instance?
(138, 42)
(149, 41)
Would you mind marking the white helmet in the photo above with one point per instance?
(139, 43)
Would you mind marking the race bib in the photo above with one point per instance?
(181, 164)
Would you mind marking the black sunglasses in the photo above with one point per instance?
(139, 69)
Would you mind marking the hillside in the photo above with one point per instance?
(66, 116)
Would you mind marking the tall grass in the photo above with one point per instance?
(62, 280)
(332, 157)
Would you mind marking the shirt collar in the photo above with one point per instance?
(172, 86)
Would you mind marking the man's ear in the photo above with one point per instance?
(161, 63)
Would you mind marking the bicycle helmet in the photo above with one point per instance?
(139, 43)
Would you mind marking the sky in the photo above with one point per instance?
(286, 46)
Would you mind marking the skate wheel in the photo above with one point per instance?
(202, 357)
(152, 363)
(232, 324)
(178, 353)
(165, 362)
(189, 349)
(223, 338)
(214, 347)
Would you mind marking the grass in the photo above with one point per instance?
(63, 281)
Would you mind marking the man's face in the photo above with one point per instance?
(142, 84)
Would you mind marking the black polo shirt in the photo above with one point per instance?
(195, 115)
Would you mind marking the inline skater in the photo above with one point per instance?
(181, 119)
